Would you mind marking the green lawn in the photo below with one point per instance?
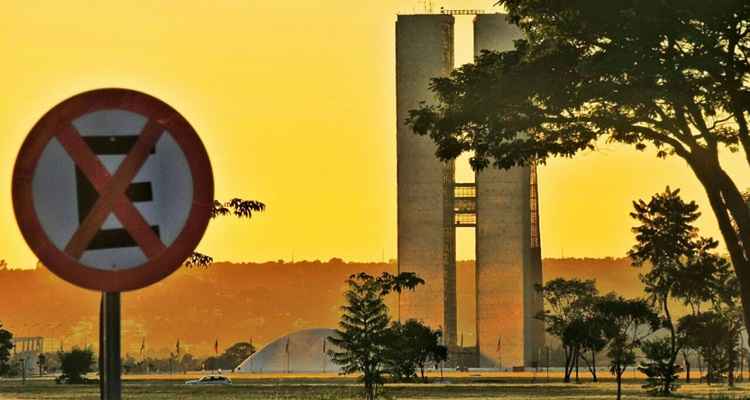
(341, 390)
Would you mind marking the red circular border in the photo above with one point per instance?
(154, 269)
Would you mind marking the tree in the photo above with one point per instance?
(622, 331)
(703, 277)
(212, 363)
(708, 281)
(568, 304)
(708, 333)
(6, 345)
(727, 303)
(172, 360)
(659, 368)
(590, 335)
(235, 207)
(236, 354)
(189, 363)
(410, 347)
(684, 266)
(398, 357)
(129, 364)
(41, 362)
(75, 364)
(669, 75)
(364, 326)
(667, 241)
(698, 283)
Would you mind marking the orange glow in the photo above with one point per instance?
(295, 101)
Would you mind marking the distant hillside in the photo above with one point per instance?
(231, 302)
(611, 274)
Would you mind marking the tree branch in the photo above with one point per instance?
(659, 137)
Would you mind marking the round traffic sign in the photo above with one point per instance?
(112, 189)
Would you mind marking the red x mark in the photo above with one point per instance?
(112, 190)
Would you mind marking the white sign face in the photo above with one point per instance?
(63, 195)
(112, 189)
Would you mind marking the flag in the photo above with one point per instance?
(216, 346)
(143, 346)
(499, 344)
(286, 349)
(324, 345)
(178, 347)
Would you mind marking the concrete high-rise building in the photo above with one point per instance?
(501, 205)
(424, 49)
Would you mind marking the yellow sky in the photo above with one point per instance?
(295, 103)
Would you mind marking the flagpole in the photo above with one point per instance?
(462, 361)
(324, 355)
(216, 347)
(143, 348)
(500, 353)
(288, 370)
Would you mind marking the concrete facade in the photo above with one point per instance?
(507, 265)
(501, 205)
(426, 243)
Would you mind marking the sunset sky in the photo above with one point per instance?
(295, 102)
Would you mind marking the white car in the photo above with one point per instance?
(211, 380)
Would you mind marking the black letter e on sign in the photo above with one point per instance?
(137, 192)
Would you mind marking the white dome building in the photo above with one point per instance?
(301, 351)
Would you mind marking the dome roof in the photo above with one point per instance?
(301, 351)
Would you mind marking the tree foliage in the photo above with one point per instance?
(623, 330)
(410, 348)
(714, 326)
(659, 367)
(6, 345)
(569, 316)
(670, 75)
(363, 328)
(41, 362)
(75, 364)
(236, 354)
(236, 207)
(668, 242)
(708, 333)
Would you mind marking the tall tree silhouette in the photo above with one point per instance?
(668, 242)
(363, 328)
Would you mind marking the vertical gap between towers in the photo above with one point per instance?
(463, 44)
(465, 237)
(466, 287)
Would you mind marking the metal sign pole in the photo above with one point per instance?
(110, 349)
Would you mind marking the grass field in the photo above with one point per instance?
(457, 386)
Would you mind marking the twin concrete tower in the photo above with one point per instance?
(501, 205)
